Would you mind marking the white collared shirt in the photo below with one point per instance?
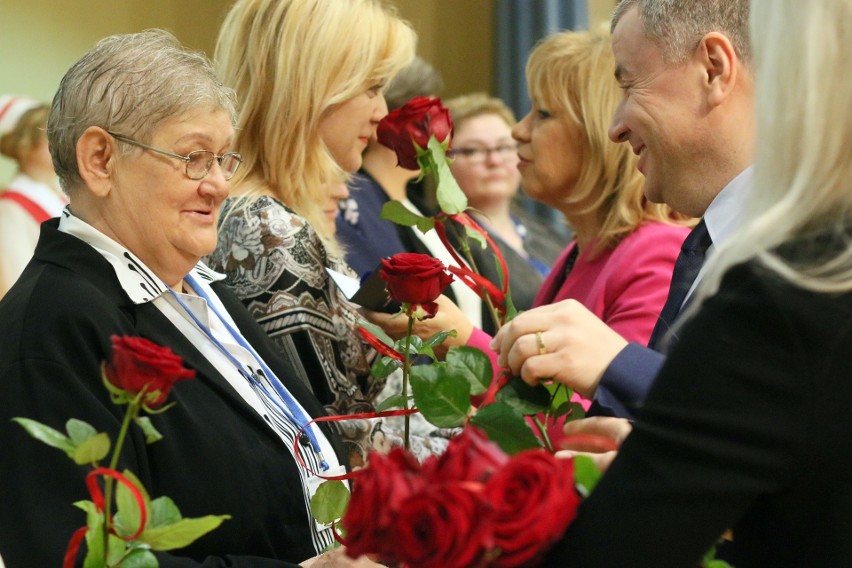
(725, 215)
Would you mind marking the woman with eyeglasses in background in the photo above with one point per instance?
(485, 165)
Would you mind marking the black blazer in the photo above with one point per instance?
(218, 456)
(747, 427)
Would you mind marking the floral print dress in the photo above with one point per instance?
(275, 263)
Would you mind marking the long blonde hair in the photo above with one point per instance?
(571, 72)
(291, 62)
(803, 169)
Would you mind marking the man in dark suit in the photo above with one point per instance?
(687, 112)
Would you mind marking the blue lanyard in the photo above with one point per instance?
(290, 407)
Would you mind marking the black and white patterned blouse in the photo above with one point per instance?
(275, 263)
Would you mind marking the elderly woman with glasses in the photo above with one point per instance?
(141, 135)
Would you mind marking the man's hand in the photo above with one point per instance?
(562, 341)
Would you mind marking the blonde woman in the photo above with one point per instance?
(310, 76)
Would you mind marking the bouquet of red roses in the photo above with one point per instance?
(475, 504)
(472, 506)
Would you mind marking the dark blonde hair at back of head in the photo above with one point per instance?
(31, 128)
(291, 62)
(570, 74)
(465, 107)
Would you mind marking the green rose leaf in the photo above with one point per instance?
(710, 560)
(384, 367)
(79, 431)
(95, 541)
(92, 515)
(414, 347)
(181, 533)
(472, 364)
(378, 332)
(140, 558)
(559, 393)
(127, 517)
(163, 512)
(395, 401)
(167, 530)
(92, 450)
(562, 409)
(505, 427)
(476, 236)
(46, 434)
(522, 397)
(451, 199)
(398, 213)
(575, 412)
(586, 475)
(151, 433)
(330, 501)
(439, 337)
(442, 398)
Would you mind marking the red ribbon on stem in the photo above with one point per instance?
(476, 282)
(98, 499)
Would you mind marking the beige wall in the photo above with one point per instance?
(40, 39)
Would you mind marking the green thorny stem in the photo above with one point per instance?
(406, 367)
(465, 249)
(548, 416)
(132, 412)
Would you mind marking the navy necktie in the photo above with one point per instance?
(686, 268)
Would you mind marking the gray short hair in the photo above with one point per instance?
(131, 84)
(417, 79)
(676, 26)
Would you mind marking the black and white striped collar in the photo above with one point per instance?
(138, 281)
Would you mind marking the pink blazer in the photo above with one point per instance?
(625, 287)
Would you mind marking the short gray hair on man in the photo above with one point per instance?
(676, 26)
(131, 84)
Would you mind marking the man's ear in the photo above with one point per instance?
(721, 65)
(95, 155)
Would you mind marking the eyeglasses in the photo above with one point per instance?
(478, 154)
(198, 162)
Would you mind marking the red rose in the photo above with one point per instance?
(470, 456)
(138, 363)
(443, 525)
(378, 491)
(415, 279)
(414, 123)
(533, 501)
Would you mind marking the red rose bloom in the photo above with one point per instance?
(378, 491)
(443, 525)
(533, 501)
(414, 123)
(470, 456)
(138, 363)
(415, 279)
